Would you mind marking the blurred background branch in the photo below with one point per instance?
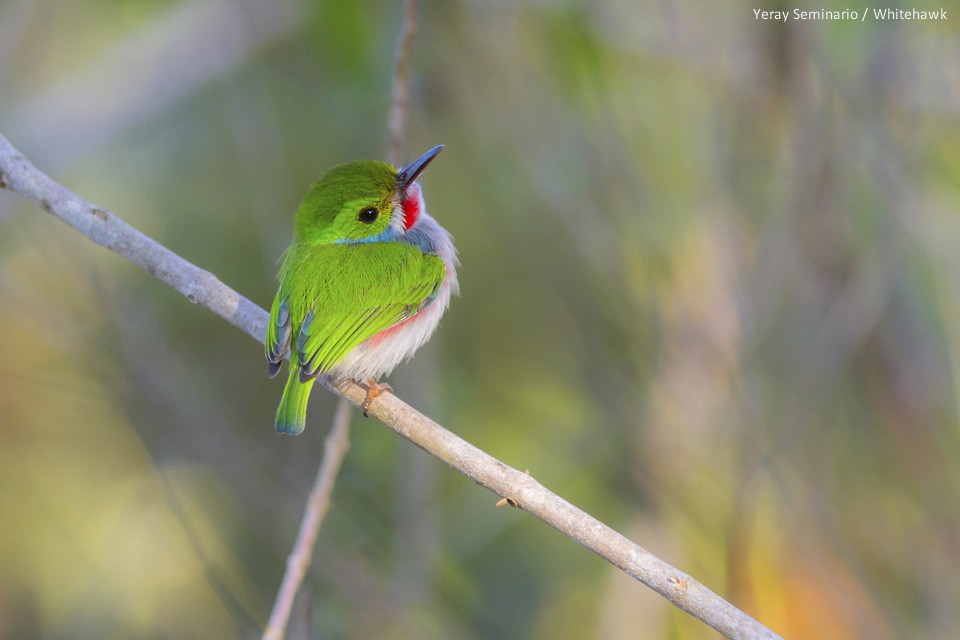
(337, 442)
(400, 89)
(335, 448)
(188, 45)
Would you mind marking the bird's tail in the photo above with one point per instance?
(292, 412)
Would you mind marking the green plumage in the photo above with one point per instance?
(292, 412)
(328, 212)
(338, 288)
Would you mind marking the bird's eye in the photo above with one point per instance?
(368, 215)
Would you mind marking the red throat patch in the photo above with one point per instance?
(411, 207)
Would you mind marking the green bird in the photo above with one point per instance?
(362, 286)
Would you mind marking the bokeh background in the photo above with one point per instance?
(711, 295)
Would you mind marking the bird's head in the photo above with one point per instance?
(364, 201)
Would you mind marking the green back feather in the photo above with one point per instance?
(347, 293)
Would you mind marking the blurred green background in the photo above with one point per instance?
(711, 295)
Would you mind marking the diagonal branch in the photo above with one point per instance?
(199, 286)
(521, 490)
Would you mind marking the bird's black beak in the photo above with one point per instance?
(410, 171)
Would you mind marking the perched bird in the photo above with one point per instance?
(362, 286)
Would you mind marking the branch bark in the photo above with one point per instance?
(521, 490)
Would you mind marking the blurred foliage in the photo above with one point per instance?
(711, 294)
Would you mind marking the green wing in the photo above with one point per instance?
(336, 296)
(278, 333)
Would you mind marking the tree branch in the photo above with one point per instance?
(520, 489)
(199, 286)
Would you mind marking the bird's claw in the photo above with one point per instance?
(374, 389)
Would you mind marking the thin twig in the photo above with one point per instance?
(202, 288)
(400, 95)
(334, 449)
(241, 615)
(338, 439)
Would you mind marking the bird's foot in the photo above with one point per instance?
(374, 389)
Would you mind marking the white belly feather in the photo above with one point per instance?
(378, 355)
